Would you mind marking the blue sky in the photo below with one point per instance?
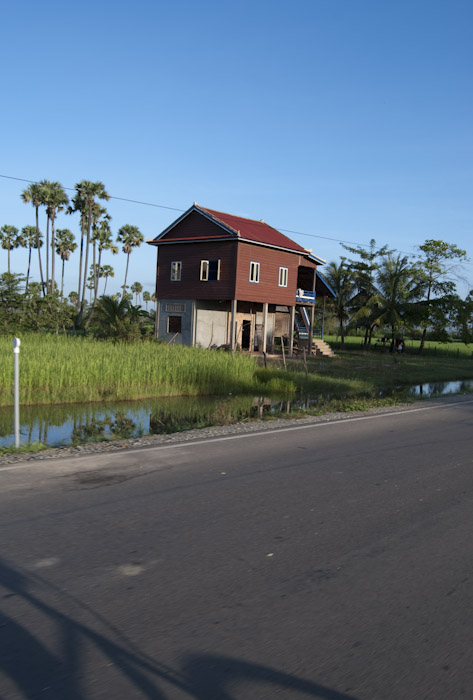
(339, 119)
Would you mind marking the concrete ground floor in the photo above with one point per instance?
(243, 325)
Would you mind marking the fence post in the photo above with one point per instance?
(16, 382)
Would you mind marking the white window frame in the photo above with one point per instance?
(254, 272)
(205, 268)
(176, 270)
(283, 276)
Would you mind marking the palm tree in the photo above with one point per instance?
(55, 200)
(136, 289)
(99, 217)
(86, 194)
(9, 240)
(65, 245)
(78, 205)
(29, 239)
(146, 298)
(397, 289)
(131, 237)
(34, 194)
(364, 271)
(102, 237)
(107, 271)
(340, 278)
(118, 319)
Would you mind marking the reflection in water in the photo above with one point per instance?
(68, 424)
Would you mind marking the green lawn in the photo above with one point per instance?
(454, 348)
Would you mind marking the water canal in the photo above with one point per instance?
(67, 424)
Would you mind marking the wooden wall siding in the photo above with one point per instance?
(267, 290)
(190, 286)
(195, 226)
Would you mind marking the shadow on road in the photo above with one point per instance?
(27, 660)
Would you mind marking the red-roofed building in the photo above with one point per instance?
(227, 280)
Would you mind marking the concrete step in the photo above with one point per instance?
(321, 348)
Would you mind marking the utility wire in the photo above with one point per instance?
(72, 189)
(284, 230)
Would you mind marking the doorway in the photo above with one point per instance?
(245, 335)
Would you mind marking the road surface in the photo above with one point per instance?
(330, 561)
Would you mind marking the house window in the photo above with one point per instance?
(283, 276)
(176, 269)
(209, 270)
(174, 324)
(254, 272)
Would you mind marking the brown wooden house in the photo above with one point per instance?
(227, 280)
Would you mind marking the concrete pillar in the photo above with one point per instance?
(265, 325)
(292, 317)
(232, 324)
(193, 323)
(157, 317)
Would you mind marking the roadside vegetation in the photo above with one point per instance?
(56, 369)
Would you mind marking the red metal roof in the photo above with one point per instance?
(252, 230)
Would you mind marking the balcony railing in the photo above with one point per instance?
(305, 297)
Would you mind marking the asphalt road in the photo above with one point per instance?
(331, 561)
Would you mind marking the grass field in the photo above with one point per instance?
(432, 348)
(57, 369)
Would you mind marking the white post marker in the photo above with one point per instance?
(16, 376)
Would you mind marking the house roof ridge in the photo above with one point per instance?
(212, 212)
(237, 216)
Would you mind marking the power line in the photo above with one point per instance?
(122, 199)
(284, 230)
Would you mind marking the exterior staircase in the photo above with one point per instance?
(321, 349)
(302, 324)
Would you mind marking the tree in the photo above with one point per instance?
(107, 271)
(340, 278)
(11, 302)
(72, 296)
(364, 271)
(86, 194)
(102, 237)
(9, 240)
(55, 200)
(99, 216)
(397, 290)
(463, 318)
(65, 245)
(118, 319)
(34, 195)
(29, 238)
(433, 271)
(131, 237)
(136, 288)
(146, 298)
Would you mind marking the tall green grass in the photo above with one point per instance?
(58, 369)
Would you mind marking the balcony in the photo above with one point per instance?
(303, 296)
